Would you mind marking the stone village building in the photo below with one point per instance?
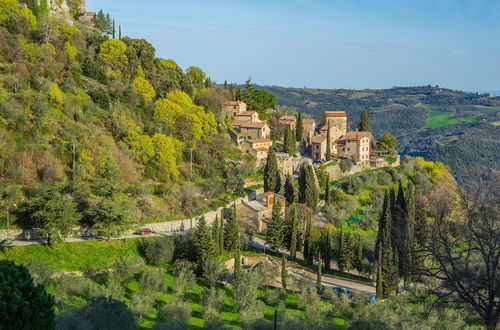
(254, 215)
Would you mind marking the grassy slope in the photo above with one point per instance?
(437, 118)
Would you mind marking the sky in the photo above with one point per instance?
(323, 43)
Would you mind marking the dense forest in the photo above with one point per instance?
(460, 129)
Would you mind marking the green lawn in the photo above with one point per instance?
(437, 118)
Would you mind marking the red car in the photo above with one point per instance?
(145, 231)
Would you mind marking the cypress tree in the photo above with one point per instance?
(215, 233)
(231, 233)
(318, 277)
(299, 128)
(308, 256)
(283, 271)
(289, 189)
(277, 188)
(327, 190)
(120, 32)
(364, 124)
(221, 235)
(204, 244)
(328, 144)
(345, 252)
(358, 260)
(399, 228)
(114, 29)
(275, 227)
(294, 233)
(289, 143)
(271, 171)
(308, 191)
(409, 230)
(380, 294)
(237, 262)
(326, 248)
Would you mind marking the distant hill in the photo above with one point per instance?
(458, 128)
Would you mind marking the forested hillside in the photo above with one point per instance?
(457, 128)
(98, 121)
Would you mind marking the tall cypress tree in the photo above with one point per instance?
(327, 190)
(237, 261)
(275, 227)
(380, 289)
(289, 189)
(271, 172)
(294, 231)
(283, 271)
(204, 244)
(364, 124)
(308, 255)
(114, 29)
(358, 260)
(308, 191)
(289, 142)
(215, 234)
(231, 231)
(299, 128)
(221, 235)
(326, 248)
(346, 254)
(409, 232)
(399, 228)
(328, 144)
(119, 32)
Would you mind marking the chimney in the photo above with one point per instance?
(270, 200)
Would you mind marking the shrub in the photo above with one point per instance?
(272, 297)
(100, 97)
(158, 250)
(345, 165)
(115, 289)
(40, 271)
(185, 278)
(212, 298)
(153, 280)
(141, 303)
(213, 319)
(125, 268)
(97, 275)
(55, 95)
(212, 270)
(175, 312)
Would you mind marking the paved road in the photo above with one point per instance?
(326, 280)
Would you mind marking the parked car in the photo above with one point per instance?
(342, 291)
(145, 231)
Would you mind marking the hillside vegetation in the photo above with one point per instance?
(456, 128)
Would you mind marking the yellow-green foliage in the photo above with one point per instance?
(141, 86)
(141, 146)
(188, 122)
(112, 52)
(70, 51)
(436, 170)
(34, 53)
(170, 64)
(18, 11)
(167, 153)
(86, 165)
(55, 95)
(67, 32)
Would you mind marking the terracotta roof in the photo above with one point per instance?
(264, 195)
(262, 149)
(247, 113)
(308, 121)
(356, 135)
(334, 114)
(90, 13)
(233, 102)
(250, 125)
(288, 118)
(318, 139)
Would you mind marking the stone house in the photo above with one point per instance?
(88, 18)
(288, 121)
(355, 145)
(309, 129)
(258, 148)
(255, 215)
(231, 109)
(318, 150)
(248, 117)
(337, 121)
(248, 131)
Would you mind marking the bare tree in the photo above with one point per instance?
(462, 249)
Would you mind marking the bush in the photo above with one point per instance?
(345, 165)
(158, 250)
(212, 298)
(185, 278)
(175, 312)
(153, 280)
(212, 270)
(115, 289)
(125, 268)
(272, 297)
(40, 271)
(141, 303)
(97, 275)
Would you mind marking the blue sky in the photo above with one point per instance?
(324, 43)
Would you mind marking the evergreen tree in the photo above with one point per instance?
(221, 235)
(271, 172)
(120, 32)
(346, 254)
(215, 233)
(231, 231)
(399, 227)
(326, 248)
(380, 294)
(237, 262)
(289, 144)
(294, 233)
(318, 275)
(275, 234)
(364, 124)
(283, 271)
(204, 244)
(114, 29)
(358, 260)
(327, 190)
(299, 128)
(328, 144)
(308, 191)
(289, 189)
(308, 255)
(409, 232)
(225, 85)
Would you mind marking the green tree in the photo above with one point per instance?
(289, 143)
(387, 142)
(364, 124)
(346, 255)
(5, 245)
(328, 199)
(275, 234)
(380, 289)
(328, 144)
(196, 76)
(112, 216)
(283, 271)
(112, 53)
(326, 248)
(292, 229)
(289, 189)
(205, 247)
(299, 128)
(23, 305)
(237, 261)
(308, 191)
(221, 236)
(308, 251)
(318, 275)
(231, 231)
(358, 260)
(271, 172)
(55, 216)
